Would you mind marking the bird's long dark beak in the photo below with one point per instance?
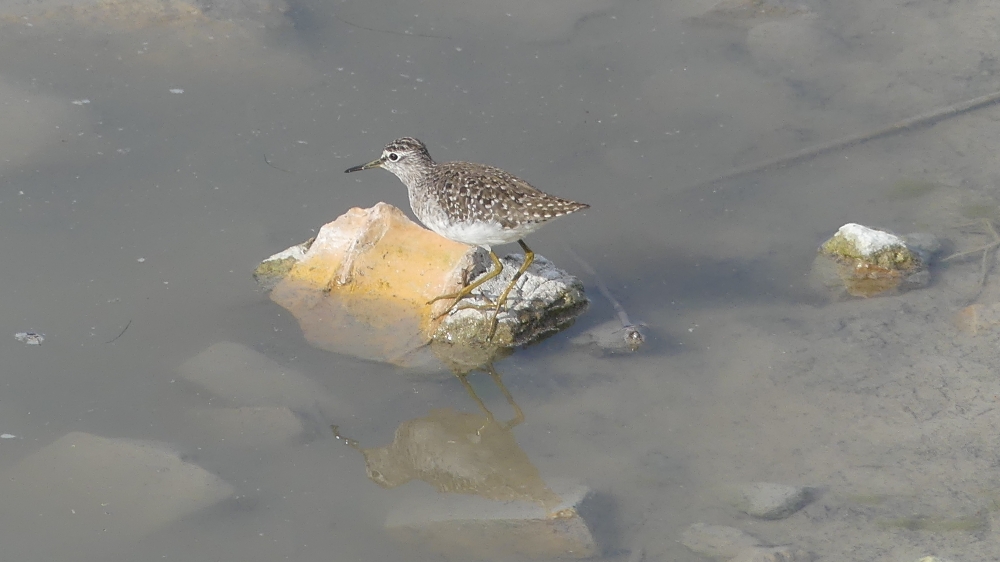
(368, 166)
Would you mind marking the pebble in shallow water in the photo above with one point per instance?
(766, 500)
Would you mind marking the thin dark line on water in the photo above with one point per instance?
(120, 333)
(633, 336)
(918, 121)
(268, 162)
(922, 120)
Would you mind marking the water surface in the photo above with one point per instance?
(146, 169)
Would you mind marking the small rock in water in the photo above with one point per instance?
(866, 262)
(771, 501)
(30, 338)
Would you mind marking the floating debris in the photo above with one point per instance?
(632, 338)
(30, 338)
(608, 338)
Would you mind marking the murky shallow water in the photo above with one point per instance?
(126, 202)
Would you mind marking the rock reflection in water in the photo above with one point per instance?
(460, 452)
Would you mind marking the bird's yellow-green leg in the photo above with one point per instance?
(529, 257)
(467, 290)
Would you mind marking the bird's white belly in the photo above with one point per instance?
(481, 234)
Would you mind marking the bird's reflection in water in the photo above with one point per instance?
(460, 452)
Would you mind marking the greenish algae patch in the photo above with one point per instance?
(868, 499)
(269, 272)
(870, 262)
(988, 211)
(894, 257)
(969, 524)
(910, 188)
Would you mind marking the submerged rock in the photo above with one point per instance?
(249, 426)
(141, 14)
(247, 377)
(866, 262)
(85, 494)
(772, 554)
(729, 543)
(717, 541)
(366, 285)
(977, 318)
(464, 527)
(767, 500)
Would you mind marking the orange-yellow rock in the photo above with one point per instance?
(380, 253)
(363, 284)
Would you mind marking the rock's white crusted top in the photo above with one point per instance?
(297, 252)
(869, 241)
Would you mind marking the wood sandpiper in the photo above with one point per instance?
(473, 204)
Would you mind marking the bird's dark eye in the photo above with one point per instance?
(393, 157)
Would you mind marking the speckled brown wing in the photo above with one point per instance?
(479, 192)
